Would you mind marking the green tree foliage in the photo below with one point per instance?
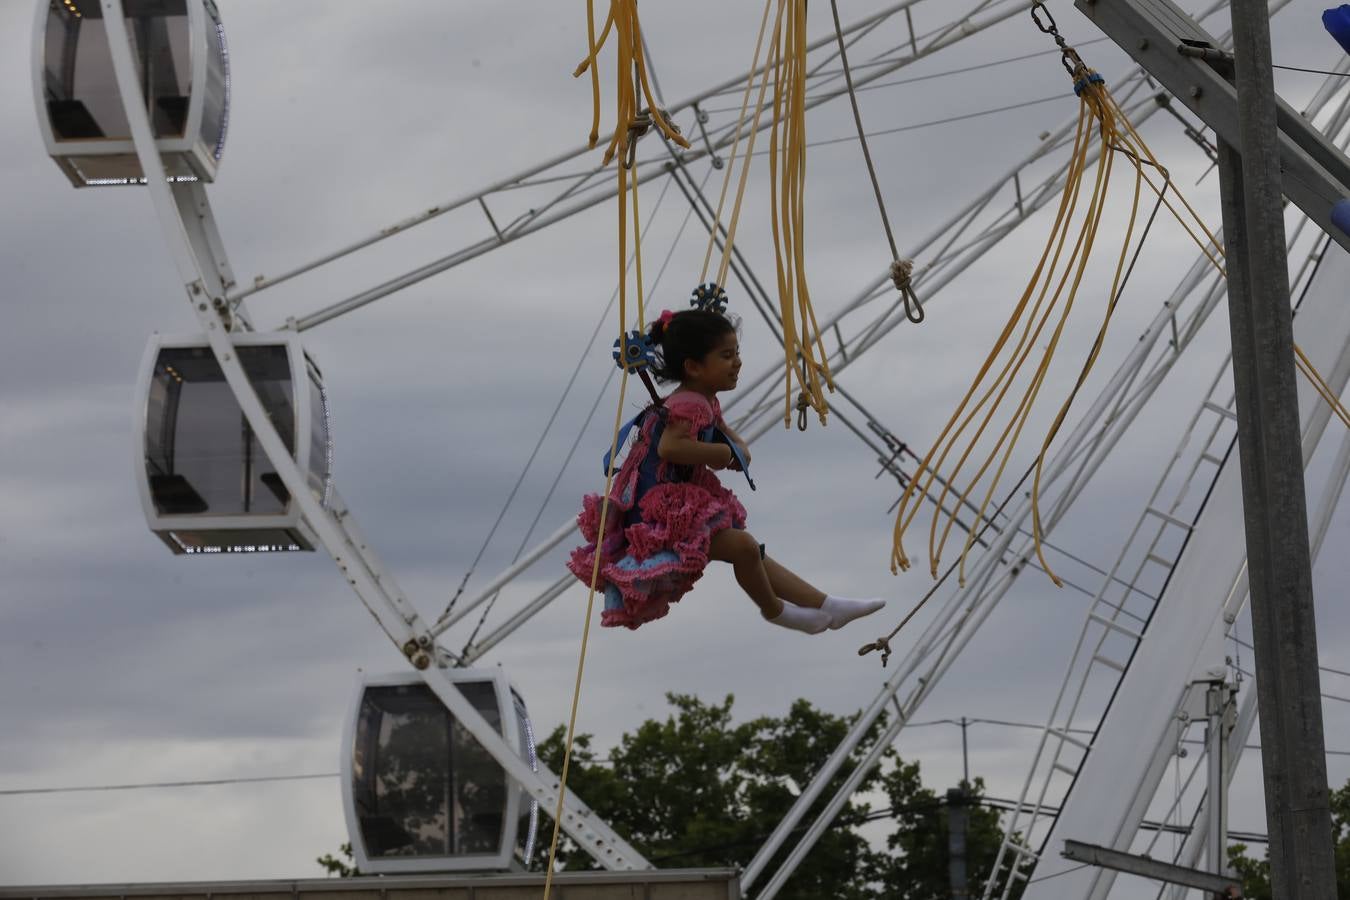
(916, 868)
(700, 790)
(1255, 873)
(335, 866)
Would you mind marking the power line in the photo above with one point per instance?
(1313, 71)
(929, 124)
(1238, 640)
(213, 782)
(263, 779)
(931, 76)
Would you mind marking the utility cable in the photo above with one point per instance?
(901, 270)
(205, 782)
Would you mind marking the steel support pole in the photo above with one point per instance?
(1274, 506)
(1217, 703)
(958, 833)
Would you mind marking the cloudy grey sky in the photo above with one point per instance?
(122, 664)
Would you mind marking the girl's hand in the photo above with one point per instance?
(729, 462)
(735, 463)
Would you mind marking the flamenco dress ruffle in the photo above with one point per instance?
(660, 521)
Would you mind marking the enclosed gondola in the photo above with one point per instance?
(178, 48)
(420, 793)
(205, 483)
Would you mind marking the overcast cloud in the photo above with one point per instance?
(120, 663)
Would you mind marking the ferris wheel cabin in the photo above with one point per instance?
(205, 483)
(178, 47)
(420, 793)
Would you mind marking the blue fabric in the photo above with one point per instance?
(647, 470)
(713, 434)
(652, 564)
(1337, 23)
(1340, 214)
(623, 438)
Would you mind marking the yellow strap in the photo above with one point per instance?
(624, 193)
(632, 78)
(787, 177)
(736, 140)
(1098, 126)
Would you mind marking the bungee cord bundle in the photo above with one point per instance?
(630, 122)
(787, 195)
(1103, 131)
(786, 62)
(631, 350)
(1099, 114)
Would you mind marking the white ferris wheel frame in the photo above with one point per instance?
(198, 252)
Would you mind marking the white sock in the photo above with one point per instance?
(842, 610)
(802, 618)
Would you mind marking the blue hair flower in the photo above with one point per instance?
(709, 297)
(633, 351)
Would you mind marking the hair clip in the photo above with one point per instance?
(633, 351)
(709, 297)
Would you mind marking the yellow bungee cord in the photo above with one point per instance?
(1043, 308)
(787, 177)
(630, 122)
(1100, 116)
(786, 63)
(630, 125)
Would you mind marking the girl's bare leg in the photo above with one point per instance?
(792, 587)
(753, 574)
(741, 550)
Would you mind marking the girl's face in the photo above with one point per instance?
(719, 368)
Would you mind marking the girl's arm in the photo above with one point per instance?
(678, 446)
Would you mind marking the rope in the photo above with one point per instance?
(1319, 383)
(901, 270)
(1302, 362)
(736, 141)
(883, 643)
(630, 121)
(787, 177)
(623, 194)
(1101, 124)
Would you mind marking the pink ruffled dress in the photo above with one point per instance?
(660, 521)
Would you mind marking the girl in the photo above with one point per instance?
(668, 513)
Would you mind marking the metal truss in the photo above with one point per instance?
(532, 200)
(566, 185)
(1119, 613)
(198, 254)
(1115, 782)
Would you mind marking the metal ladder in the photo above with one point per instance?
(1112, 628)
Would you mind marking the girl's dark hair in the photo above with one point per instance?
(690, 334)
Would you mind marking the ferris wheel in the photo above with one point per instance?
(235, 456)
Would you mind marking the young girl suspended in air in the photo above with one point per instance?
(668, 513)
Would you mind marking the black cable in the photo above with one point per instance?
(164, 784)
(1312, 71)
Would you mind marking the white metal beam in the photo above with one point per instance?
(1116, 783)
(334, 527)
